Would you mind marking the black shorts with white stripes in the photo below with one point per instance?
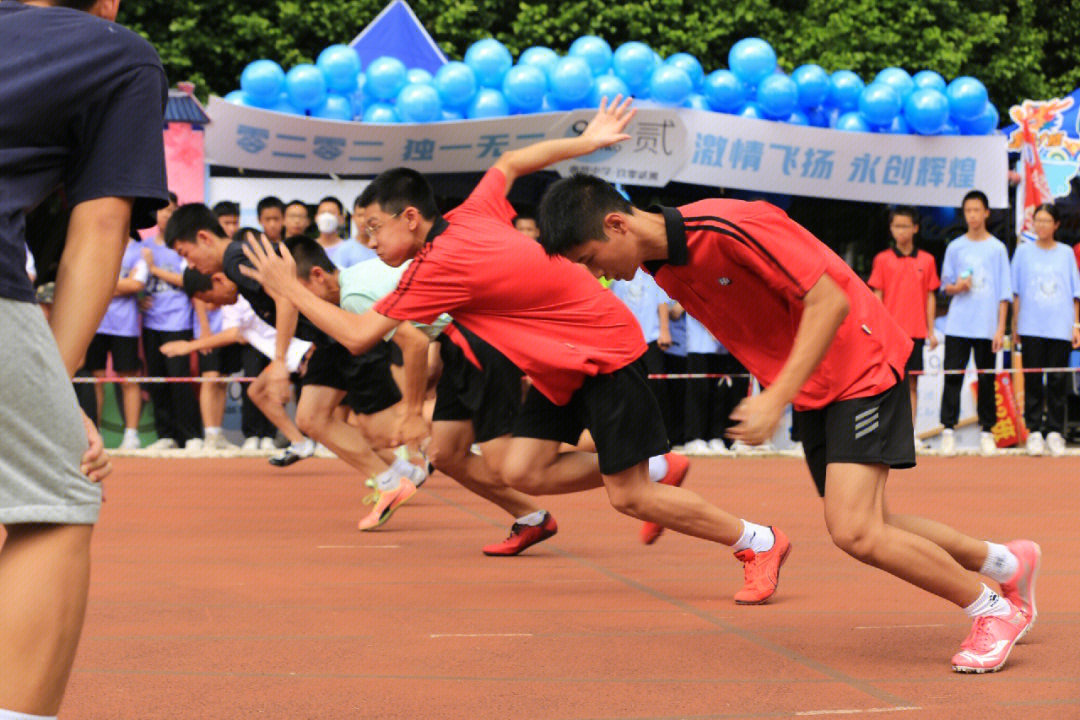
(867, 431)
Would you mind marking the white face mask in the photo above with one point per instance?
(326, 222)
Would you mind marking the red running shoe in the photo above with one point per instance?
(523, 536)
(990, 641)
(1020, 588)
(761, 571)
(677, 467)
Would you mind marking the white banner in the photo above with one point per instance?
(685, 145)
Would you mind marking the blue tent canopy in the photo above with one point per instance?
(397, 32)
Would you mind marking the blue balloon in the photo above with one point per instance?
(456, 83)
(239, 97)
(593, 50)
(852, 122)
(845, 89)
(949, 128)
(490, 60)
(670, 85)
(929, 79)
(752, 60)
(263, 81)
(697, 102)
(818, 117)
(419, 76)
(926, 111)
(798, 118)
(880, 103)
(336, 107)
(985, 124)
(898, 79)
(340, 64)
(550, 104)
(356, 101)
(306, 87)
(752, 110)
(488, 103)
(385, 77)
(419, 103)
(607, 86)
(451, 115)
(725, 92)
(898, 126)
(634, 63)
(813, 84)
(967, 98)
(541, 57)
(571, 80)
(778, 96)
(383, 113)
(691, 66)
(524, 87)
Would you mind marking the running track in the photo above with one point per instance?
(230, 589)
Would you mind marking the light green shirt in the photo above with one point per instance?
(369, 281)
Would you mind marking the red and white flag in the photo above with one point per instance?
(1036, 190)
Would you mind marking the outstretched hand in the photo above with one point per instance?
(273, 271)
(609, 124)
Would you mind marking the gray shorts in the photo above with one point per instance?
(42, 438)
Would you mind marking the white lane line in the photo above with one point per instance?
(858, 712)
(357, 547)
(896, 627)
(479, 635)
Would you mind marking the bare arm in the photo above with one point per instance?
(878, 294)
(224, 338)
(411, 427)
(663, 313)
(999, 336)
(605, 129)
(931, 316)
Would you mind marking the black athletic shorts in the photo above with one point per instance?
(491, 397)
(124, 351)
(369, 387)
(868, 431)
(618, 408)
(223, 360)
(915, 360)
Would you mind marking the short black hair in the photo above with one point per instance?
(75, 4)
(523, 216)
(188, 220)
(331, 198)
(1050, 209)
(572, 212)
(308, 254)
(227, 207)
(268, 202)
(172, 198)
(976, 195)
(399, 188)
(301, 203)
(905, 210)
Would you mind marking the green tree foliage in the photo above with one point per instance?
(1018, 48)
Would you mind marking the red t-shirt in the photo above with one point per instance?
(905, 281)
(549, 316)
(742, 269)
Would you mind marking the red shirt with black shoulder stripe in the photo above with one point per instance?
(549, 316)
(743, 268)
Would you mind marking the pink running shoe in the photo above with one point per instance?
(987, 646)
(386, 504)
(1020, 588)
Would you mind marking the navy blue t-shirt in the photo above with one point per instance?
(83, 109)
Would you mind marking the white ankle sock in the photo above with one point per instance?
(758, 538)
(1000, 563)
(210, 431)
(12, 715)
(988, 603)
(533, 518)
(658, 468)
(128, 432)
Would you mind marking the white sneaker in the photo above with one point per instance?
(130, 442)
(920, 444)
(1056, 443)
(797, 449)
(267, 443)
(948, 442)
(163, 444)
(193, 445)
(696, 447)
(987, 446)
(718, 447)
(251, 443)
(1035, 444)
(217, 441)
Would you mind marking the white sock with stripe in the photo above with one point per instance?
(658, 467)
(988, 603)
(1000, 563)
(758, 538)
(533, 518)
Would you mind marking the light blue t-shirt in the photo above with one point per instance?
(368, 282)
(643, 298)
(974, 314)
(122, 316)
(170, 307)
(348, 253)
(1046, 281)
(698, 339)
